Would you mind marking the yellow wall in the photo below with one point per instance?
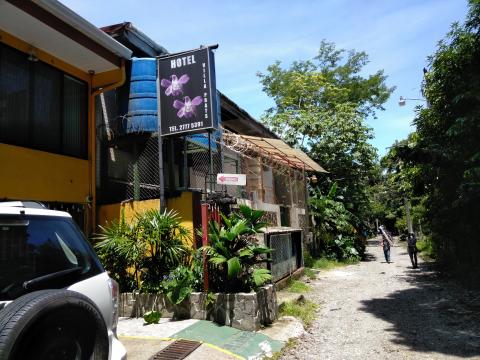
(182, 204)
(36, 175)
(107, 213)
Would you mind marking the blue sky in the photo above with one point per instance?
(397, 36)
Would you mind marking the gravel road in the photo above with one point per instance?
(376, 310)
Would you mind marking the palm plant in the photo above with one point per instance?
(165, 242)
(120, 253)
(146, 250)
(234, 252)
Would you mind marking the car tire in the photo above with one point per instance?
(53, 324)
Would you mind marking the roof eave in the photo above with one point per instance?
(70, 17)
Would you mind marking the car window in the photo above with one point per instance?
(36, 246)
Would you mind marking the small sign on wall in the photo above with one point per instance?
(232, 179)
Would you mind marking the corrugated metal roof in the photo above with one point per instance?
(278, 151)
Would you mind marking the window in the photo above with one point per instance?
(35, 246)
(14, 96)
(47, 87)
(74, 136)
(41, 107)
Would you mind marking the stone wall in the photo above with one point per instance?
(244, 311)
(135, 305)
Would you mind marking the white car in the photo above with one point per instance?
(56, 300)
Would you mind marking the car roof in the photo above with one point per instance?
(28, 208)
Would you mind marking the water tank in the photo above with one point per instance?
(142, 102)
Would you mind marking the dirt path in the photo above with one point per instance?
(376, 310)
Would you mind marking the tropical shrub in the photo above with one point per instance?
(121, 265)
(152, 317)
(145, 251)
(334, 231)
(179, 284)
(234, 253)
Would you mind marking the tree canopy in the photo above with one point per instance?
(320, 107)
(448, 149)
(440, 162)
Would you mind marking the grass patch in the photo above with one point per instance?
(290, 344)
(298, 287)
(303, 310)
(327, 264)
(310, 273)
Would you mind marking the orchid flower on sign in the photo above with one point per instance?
(175, 86)
(187, 108)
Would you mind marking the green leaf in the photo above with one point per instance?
(239, 228)
(262, 250)
(234, 267)
(246, 252)
(218, 259)
(261, 276)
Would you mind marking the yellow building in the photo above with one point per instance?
(52, 65)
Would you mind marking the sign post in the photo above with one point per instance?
(187, 101)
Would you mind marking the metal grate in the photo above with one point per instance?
(143, 180)
(283, 259)
(177, 350)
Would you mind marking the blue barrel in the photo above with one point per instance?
(142, 103)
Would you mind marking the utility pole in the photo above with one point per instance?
(407, 212)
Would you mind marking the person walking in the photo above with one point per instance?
(412, 249)
(386, 243)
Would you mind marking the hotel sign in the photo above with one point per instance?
(187, 92)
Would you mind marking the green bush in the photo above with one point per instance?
(425, 247)
(335, 231)
(152, 317)
(308, 259)
(179, 284)
(234, 253)
(139, 255)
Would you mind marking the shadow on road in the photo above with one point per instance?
(432, 316)
(369, 257)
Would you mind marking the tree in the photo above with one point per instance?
(320, 107)
(400, 183)
(447, 151)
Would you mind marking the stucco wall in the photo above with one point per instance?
(182, 204)
(29, 174)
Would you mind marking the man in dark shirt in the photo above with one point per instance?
(412, 249)
(386, 243)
